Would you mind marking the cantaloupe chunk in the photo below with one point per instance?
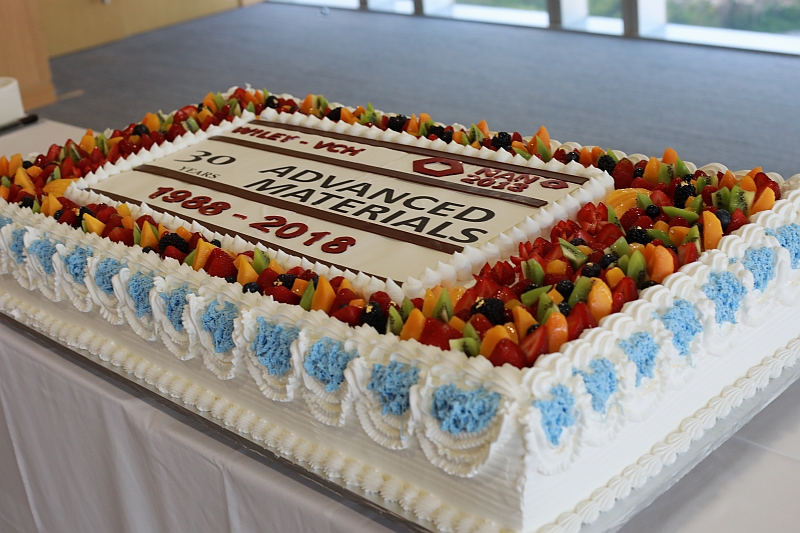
(457, 136)
(764, 201)
(414, 325)
(58, 187)
(677, 234)
(413, 126)
(492, 337)
(523, 320)
(728, 180)
(712, 230)
(670, 157)
(4, 166)
(484, 127)
(323, 295)
(298, 287)
(457, 324)
(557, 331)
(153, 123)
(307, 105)
(544, 135)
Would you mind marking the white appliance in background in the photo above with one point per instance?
(11, 108)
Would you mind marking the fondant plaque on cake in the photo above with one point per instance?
(355, 203)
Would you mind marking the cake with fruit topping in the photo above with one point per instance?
(496, 331)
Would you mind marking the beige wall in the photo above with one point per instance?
(71, 25)
(23, 54)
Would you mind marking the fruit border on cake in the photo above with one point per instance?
(597, 316)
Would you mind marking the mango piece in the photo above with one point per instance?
(4, 191)
(58, 187)
(123, 210)
(457, 323)
(149, 238)
(358, 302)
(651, 171)
(748, 184)
(492, 337)
(202, 251)
(512, 331)
(614, 276)
(677, 234)
(412, 329)
(153, 123)
(93, 225)
(14, 164)
(670, 156)
(22, 179)
(33, 171)
(456, 293)
(4, 166)
(523, 320)
(161, 230)
(298, 287)
(276, 267)
(53, 205)
(87, 142)
(557, 331)
(623, 199)
(413, 126)
(246, 272)
(128, 222)
(661, 265)
(557, 266)
(457, 136)
(323, 296)
(429, 303)
(345, 284)
(661, 226)
(555, 296)
(347, 116)
(511, 304)
(484, 127)
(307, 105)
(712, 230)
(600, 299)
(764, 201)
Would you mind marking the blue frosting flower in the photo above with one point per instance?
(390, 384)
(459, 410)
(682, 321)
(43, 249)
(326, 362)
(642, 349)
(18, 245)
(139, 288)
(557, 414)
(176, 301)
(761, 262)
(727, 293)
(789, 237)
(219, 324)
(5, 221)
(271, 346)
(75, 262)
(601, 383)
(107, 269)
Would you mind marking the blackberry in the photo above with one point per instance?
(141, 129)
(647, 284)
(173, 239)
(447, 136)
(565, 287)
(492, 308)
(84, 211)
(502, 140)
(531, 329)
(607, 163)
(591, 270)
(231, 279)
(335, 114)
(26, 165)
(572, 156)
(287, 280)
(682, 193)
(272, 101)
(373, 315)
(724, 218)
(652, 211)
(638, 172)
(396, 122)
(216, 243)
(577, 241)
(251, 287)
(148, 249)
(607, 260)
(564, 308)
(637, 234)
(27, 202)
(436, 130)
(58, 214)
(688, 178)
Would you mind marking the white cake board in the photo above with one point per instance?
(608, 522)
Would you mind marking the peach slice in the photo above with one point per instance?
(651, 171)
(623, 199)
(586, 157)
(523, 320)
(557, 331)
(677, 234)
(670, 157)
(728, 180)
(412, 329)
(712, 230)
(324, 296)
(661, 265)
(600, 299)
(748, 184)
(764, 201)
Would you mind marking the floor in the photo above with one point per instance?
(738, 108)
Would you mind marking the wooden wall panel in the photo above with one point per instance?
(72, 25)
(23, 54)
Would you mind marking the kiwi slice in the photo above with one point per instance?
(680, 168)
(702, 183)
(659, 234)
(260, 261)
(405, 308)
(612, 217)
(697, 204)
(722, 198)
(37, 207)
(189, 260)
(643, 200)
(532, 296)
(623, 263)
(571, 252)
(546, 306)
(621, 248)
(443, 310)
(535, 271)
(308, 296)
(666, 172)
(741, 199)
(694, 237)
(394, 322)
(543, 150)
(690, 216)
(637, 268)
(580, 293)
(468, 345)
(469, 332)
(137, 235)
(610, 153)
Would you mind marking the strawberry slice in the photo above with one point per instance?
(145, 218)
(623, 174)
(68, 217)
(222, 267)
(737, 220)
(285, 296)
(174, 253)
(122, 235)
(644, 221)
(295, 271)
(466, 301)
(114, 221)
(535, 345)
(641, 183)
(382, 299)
(762, 180)
(503, 273)
(505, 294)
(624, 292)
(507, 352)
(628, 220)
(349, 314)
(481, 324)
(687, 253)
(343, 298)
(609, 234)
(707, 194)
(660, 198)
(485, 287)
(266, 279)
(437, 334)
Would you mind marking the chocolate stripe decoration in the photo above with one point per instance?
(319, 214)
(388, 172)
(232, 233)
(510, 167)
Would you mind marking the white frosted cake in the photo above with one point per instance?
(457, 438)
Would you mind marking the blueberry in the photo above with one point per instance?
(531, 329)
(577, 241)
(26, 165)
(724, 218)
(216, 243)
(141, 129)
(564, 308)
(638, 172)
(58, 214)
(251, 287)
(148, 249)
(652, 211)
(272, 101)
(591, 270)
(572, 156)
(335, 114)
(648, 283)
(565, 287)
(607, 260)
(231, 279)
